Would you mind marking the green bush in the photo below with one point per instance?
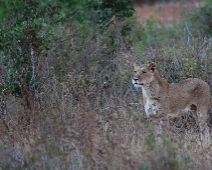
(199, 21)
(24, 35)
(105, 9)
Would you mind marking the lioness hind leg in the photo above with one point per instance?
(204, 132)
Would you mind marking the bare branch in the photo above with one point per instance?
(189, 33)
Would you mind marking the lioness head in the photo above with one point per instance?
(143, 74)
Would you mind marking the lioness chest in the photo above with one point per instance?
(151, 101)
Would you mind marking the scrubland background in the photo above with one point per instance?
(67, 101)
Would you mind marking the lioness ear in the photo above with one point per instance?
(151, 66)
(135, 65)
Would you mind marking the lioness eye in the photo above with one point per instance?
(144, 72)
(135, 71)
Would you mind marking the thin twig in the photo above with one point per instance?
(203, 45)
(189, 31)
(111, 21)
(33, 63)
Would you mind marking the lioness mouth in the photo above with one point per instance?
(139, 84)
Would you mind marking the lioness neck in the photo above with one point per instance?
(160, 81)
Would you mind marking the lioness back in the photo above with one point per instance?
(185, 93)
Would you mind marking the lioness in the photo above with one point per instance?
(162, 98)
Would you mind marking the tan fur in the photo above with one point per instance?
(162, 98)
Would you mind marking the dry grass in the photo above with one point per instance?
(87, 115)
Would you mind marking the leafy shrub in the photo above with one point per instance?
(199, 20)
(25, 35)
(105, 9)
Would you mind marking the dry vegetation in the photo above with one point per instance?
(88, 115)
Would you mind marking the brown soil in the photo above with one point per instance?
(168, 13)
